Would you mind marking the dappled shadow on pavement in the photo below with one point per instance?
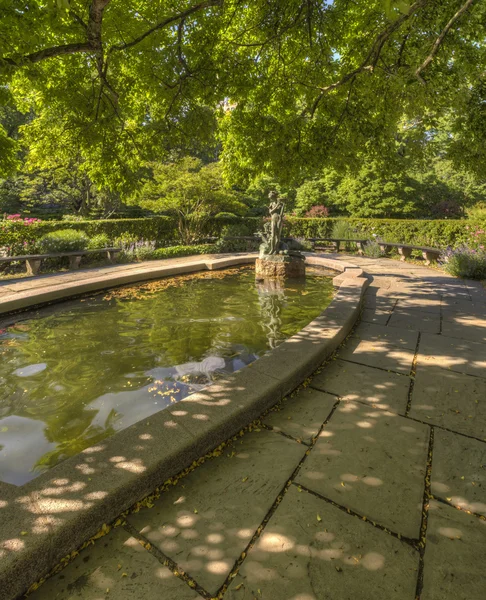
(346, 517)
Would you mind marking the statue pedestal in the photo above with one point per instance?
(280, 266)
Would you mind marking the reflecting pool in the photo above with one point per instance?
(74, 373)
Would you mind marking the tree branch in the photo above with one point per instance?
(168, 21)
(373, 55)
(35, 57)
(440, 39)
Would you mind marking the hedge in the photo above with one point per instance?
(17, 235)
(437, 233)
(177, 251)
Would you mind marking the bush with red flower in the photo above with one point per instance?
(21, 234)
(317, 212)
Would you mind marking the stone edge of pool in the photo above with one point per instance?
(54, 514)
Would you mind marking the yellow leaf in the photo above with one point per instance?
(244, 479)
(319, 518)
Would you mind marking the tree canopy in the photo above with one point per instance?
(285, 86)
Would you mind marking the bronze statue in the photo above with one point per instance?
(273, 230)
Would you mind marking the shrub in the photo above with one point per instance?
(372, 249)
(176, 251)
(236, 230)
(125, 241)
(342, 230)
(144, 249)
(100, 240)
(465, 262)
(64, 240)
(317, 212)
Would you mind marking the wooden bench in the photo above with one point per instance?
(34, 261)
(405, 250)
(337, 242)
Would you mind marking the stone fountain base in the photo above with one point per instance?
(279, 266)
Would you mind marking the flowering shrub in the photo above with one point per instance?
(21, 234)
(317, 212)
(465, 262)
(372, 249)
(477, 237)
(133, 248)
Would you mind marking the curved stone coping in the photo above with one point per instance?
(49, 517)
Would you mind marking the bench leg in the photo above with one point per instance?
(404, 252)
(359, 245)
(429, 257)
(111, 256)
(336, 246)
(74, 262)
(384, 248)
(33, 266)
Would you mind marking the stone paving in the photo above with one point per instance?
(369, 483)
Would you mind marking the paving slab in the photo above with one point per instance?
(377, 303)
(379, 333)
(415, 319)
(378, 354)
(302, 414)
(449, 399)
(373, 462)
(451, 353)
(459, 471)
(371, 315)
(117, 567)
(311, 550)
(350, 381)
(430, 305)
(454, 555)
(451, 305)
(206, 521)
(466, 326)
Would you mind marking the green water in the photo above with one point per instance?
(75, 373)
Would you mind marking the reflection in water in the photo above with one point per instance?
(271, 295)
(74, 373)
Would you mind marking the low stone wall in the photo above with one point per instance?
(51, 516)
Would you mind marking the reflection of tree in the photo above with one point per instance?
(96, 348)
(271, 295)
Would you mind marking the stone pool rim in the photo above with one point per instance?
(45, 519)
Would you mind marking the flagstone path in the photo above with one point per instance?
(369, 483)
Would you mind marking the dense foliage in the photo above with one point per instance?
(287, 86)
(192, 109)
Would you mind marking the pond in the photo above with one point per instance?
(74, 373)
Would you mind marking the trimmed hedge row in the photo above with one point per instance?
(154, 228)
(163, 229)
(18, 236)
(436, 233)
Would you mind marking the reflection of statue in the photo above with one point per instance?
(273, 229)
(271, 295)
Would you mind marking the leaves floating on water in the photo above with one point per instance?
(145, 290)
